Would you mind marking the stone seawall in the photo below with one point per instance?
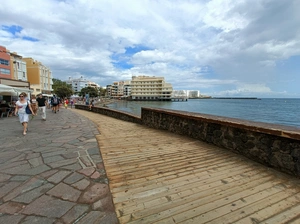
(272, 145)
(112, 113)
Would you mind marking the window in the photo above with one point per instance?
(4, 71)
(4, 62)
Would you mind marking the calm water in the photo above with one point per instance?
(276, 111)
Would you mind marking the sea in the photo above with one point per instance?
(283, 111)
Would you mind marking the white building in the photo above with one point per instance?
(150, 88)
(19, 68)
(193, 94)
(80, 83)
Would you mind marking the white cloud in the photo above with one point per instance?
(212, 46)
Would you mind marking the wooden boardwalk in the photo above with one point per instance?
(160, 177)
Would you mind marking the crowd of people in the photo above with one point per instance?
(39, 105)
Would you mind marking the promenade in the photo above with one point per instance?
(55, 174)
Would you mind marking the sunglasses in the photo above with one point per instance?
(21, 96)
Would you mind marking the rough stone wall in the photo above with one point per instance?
(112, 113)
(272, 145)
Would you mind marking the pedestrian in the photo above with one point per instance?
(72, 102)
(20, 111)
(92, 104)
(33, 104)
(42, 103)
(54, 103)
(66, 103)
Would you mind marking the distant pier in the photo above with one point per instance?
(179, 98)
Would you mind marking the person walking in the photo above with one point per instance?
(72, 102)
(54, 103)
(66, 103)
(42, 103)
(20, 111)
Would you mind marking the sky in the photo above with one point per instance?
(223, 48)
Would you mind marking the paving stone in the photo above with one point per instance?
(36, 170)
(53, 153)
(48, 207)
(96, 159)
(70, 155)
(86, 161)
(59, 176)
(10, 219)
(32, 155)
(5, 189)
(38, 220)
(76, 212)
(87, 171)
(17, 169)
(33, 194)
(48, 173)
(73, 167)
(104, 204)
(75, 177)
(94, 193)
(29, 185)
(36, 161)
(95, 175)
(82, 184)
(65, 192)
(11, 207)
(100, 165)
(20, 178)
(92, 217)
(62, 163)
(4, 177)
(52, 159)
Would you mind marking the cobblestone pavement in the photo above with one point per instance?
(55, 173)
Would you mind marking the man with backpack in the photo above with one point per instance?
(54, 103)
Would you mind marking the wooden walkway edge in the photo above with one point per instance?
(160, 177)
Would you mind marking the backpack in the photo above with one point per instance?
(55, 100)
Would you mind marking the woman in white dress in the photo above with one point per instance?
(20, 110)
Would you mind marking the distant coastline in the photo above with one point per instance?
(226, 98)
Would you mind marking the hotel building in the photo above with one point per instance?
(150, 88)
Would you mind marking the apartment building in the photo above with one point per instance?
(121, 89)
(18, 67)
(80, 83)
(150, 88)
(5, 68)
(13, 72)
(39, 76)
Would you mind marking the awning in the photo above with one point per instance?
(12, 91)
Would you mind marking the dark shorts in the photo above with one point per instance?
(54, 105)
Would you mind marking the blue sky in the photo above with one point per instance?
(219, 47)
